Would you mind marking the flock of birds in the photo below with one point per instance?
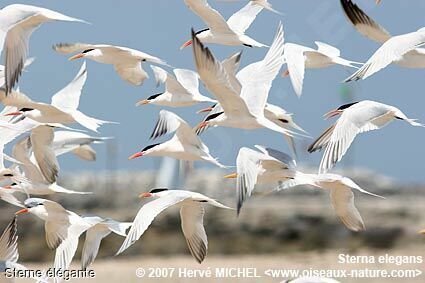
(239, 101)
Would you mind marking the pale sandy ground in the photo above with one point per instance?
(123, 270)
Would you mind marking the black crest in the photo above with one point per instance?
(345, 106)
(87, 50)
(150, 146)
(25, 109)
(201, 31)
(158, 190)
(154, 96)
(213, 116)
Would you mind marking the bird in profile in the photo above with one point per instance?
(63, 108)
(181, 90)
(191, 212)
(184, 145)
(126, 61)
(220, 31)
(356, 118)
(298, 58)
(17, 23)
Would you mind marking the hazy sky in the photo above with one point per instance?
(159, 27)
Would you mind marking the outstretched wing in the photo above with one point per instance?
(192, 222)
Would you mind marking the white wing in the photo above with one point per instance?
(210, 16)
(192, 222)
(66, 250)
(171, 84)
(21, 152)
(362, 117)
(363, 23)
(327, 49)
(18, 22)
(68, 98)
(42, 145)
(169, 122)
(242, 20)
(231, 66)
(257, 78)
(146, 215)
(57, 225)
(9, 243)
(342, 199)
(188, 79)
(295, 59)
(94, 236)
(248, 165)
(160, 75)
(216, 80)
(391, 51)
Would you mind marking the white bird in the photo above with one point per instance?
(180, 90)
(274, 113)
(76, 142)
(219, 31)
(127, 62)
(242, 108)
(340, 192)
(191, 213)
(372, 30)
(298, 58)
(63, 228)
(264, 167)
(63, 108)
(356, 118)
(17, 23)
(94, 235)
(37, 185)
(9, 254)
(401, 49)
(184, 145)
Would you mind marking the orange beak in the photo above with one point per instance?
(7, 187)
(142, 102)
(75, 57)
(17, 113)
(332, 113)
(208, 109)
(186, 44)
(24, 210)
(285, 74)
(203, 125)
(231, 176)
(136, 155)
(145, 195)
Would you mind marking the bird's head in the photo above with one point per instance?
(12, 186)
(199, 34)
(33, 205)
(88, 53)
(338, 111)
(148, 100)
(147, 150)
(153, 193)
(22, 111)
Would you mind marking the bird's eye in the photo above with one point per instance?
(87, 50)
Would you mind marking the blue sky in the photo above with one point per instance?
(159, 27)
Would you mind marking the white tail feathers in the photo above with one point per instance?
(89, 122)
